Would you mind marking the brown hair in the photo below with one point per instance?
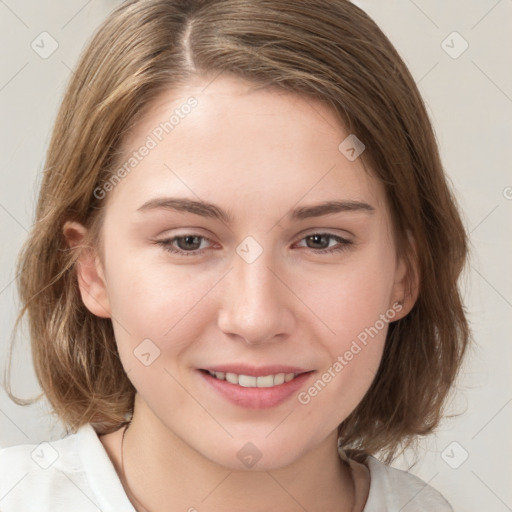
(326, 49)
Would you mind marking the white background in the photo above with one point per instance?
(470, 103)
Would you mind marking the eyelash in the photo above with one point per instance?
(167, 244)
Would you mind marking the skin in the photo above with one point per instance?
(257, 153)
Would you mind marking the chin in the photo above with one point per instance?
(257, 455)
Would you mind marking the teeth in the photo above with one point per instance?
(280, 378)
(249, 381)
(264, 382)
(232, 377)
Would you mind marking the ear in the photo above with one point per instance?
(406, 285)
(89, 271)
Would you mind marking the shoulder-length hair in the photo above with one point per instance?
(326, 49)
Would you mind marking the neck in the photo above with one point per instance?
(160, 469)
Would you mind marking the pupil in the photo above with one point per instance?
(189, 240)
(317, 239)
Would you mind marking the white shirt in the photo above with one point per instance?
(75, 474)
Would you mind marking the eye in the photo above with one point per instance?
(322, 239)
(188, 245)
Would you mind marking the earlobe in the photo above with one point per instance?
(89, 271)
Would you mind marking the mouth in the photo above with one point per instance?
(252, 381)
(252, 388)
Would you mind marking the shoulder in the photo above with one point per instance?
(400, 491)
(62, 475)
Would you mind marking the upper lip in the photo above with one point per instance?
(256, 371)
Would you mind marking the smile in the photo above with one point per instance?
(270, 388)
(250, 381)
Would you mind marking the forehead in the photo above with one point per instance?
(242, 145)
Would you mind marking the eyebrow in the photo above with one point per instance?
(206, 209)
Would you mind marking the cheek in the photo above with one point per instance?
(157, 316)
(351, 298)
(353, 352)
(158, 312)
(353, 306)
(149, 297)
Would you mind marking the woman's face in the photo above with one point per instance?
(265, 280)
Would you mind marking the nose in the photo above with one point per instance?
(256, 304)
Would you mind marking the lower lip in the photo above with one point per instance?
(256, 398)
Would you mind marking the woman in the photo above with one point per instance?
(242, 281)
